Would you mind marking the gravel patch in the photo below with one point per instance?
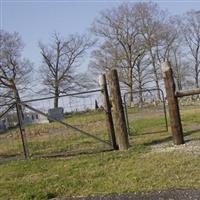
(191, 146)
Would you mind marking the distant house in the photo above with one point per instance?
(10, 120)
(34, 118)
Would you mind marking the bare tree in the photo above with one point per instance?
(142, 76)
(14, 69)
(169, 35)
(151, 22)
(105, 57)
(118, 27)
(191, 32)
(170, 48)
(180, 66)
(60, 61)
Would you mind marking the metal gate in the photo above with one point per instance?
(81, 130)
(150, 106)
(10, 138)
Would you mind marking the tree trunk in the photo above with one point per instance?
(197, 63)
(156, 81)
(179, 83)
(140, 97)
(130, 86)
(140, 86)
(196, 76)
(155, 75)
(157, 87)
(56, 97)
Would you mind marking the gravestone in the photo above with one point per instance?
(56, 113)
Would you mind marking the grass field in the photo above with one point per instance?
(54, 137)
(140, 169)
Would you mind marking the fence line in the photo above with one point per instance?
(66, 124)
(52, 97)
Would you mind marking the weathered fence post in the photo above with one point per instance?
(107, 108)
(20, 122)
(120, 123)
(173, 106)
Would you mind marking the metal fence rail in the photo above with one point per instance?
(10, 141)
(81, 130)
(141, 106)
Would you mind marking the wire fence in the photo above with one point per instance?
(76, 126)
(145, 113)
(190, 113)
(10, 141)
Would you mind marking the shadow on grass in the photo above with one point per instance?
(5, 158)
(148, 133)
(191, 132)
(71, 153)
(159, 141)
(169, 138)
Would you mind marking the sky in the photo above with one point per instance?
(37, 20)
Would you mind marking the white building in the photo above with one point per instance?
(11, 120)
(34, 118)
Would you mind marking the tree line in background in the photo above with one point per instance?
(134, 38)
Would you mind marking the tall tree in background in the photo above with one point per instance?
(168, 36)
(142, 76)
(117, 26)
(135, 30)
(60, 61)
(191, 32)
(151, 22)
(180, 66)
(176, 54)
(170, 48)
(14, 69)
(107, 57)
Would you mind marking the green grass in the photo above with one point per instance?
(137, 170)
(55, 137)
(144, 125)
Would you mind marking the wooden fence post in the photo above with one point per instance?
(107, 108)
(173, 106)
(119, 117)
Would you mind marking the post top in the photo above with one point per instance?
(101, 79)
(165, 66)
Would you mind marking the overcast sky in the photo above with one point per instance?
(37, 20)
